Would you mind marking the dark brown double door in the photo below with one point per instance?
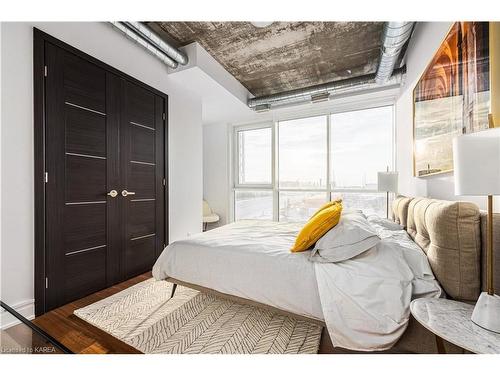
(105, 177)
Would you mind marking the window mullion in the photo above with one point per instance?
(275, 167)
(328, 159)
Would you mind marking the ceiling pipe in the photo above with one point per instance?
(156, 49)
(147, 33)
(394, 37)
(325, 91)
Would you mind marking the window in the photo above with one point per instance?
(298, 205)
(303, 153)
(313, 160)
(254, 157)
(251, 204)
(361, 145)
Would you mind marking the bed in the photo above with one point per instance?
(251, 261)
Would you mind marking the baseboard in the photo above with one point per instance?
(25, 308)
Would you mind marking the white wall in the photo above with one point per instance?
(103, 42)
(215, 170)
(426, 40)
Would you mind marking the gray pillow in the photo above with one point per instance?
(352, 236)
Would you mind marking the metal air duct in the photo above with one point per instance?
(394, 37)
(150, 44)
(153, 38)
(335, 88)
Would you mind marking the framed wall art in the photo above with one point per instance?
(452, 97)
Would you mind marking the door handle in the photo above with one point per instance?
(113, 193)
(125, 193)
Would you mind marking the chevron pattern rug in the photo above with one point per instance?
(146, 318)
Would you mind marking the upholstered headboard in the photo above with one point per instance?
(450, 234)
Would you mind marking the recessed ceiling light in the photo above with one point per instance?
(348, 71)
(261, 24)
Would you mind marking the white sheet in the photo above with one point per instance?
(249, 259)
(364, 301)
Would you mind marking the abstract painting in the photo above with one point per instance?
(452, 97)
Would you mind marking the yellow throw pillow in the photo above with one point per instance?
(326, 205)
(320, 223)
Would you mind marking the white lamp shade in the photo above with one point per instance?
(388, 181)
(476, 163)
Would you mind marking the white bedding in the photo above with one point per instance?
(249, 259)
(364, 301)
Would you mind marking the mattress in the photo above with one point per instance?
(249, 259)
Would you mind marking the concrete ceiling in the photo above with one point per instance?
(285, 55)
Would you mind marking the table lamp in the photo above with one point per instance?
(388, 182)
(476, 160)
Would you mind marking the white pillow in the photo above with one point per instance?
(352, 236)
(384, 223)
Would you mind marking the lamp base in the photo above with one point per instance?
(486, 313)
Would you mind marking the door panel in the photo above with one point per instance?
(142, 218)
(141, 253)
(84, 226)
(141, 106)
(85, 132)
(76, 200)
(84, 273)
(142, 181)
(85, 178)
(102, 133)
(142, 149)
(142, 166)
(84, 83)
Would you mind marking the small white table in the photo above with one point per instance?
(450, 320)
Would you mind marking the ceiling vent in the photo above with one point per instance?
(262, 107)
(321, 97)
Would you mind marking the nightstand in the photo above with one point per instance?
(450, 320)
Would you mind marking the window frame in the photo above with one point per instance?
(235, 161)
(274, 186)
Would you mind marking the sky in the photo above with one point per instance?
(361, 143)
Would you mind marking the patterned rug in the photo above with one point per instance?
(146, 318)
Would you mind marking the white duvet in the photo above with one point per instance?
(364, 301)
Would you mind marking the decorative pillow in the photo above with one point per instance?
(351, 237)
(326, 205)
(320, 223)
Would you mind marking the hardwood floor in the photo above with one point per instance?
(79, 336)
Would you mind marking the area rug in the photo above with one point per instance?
(145, 317)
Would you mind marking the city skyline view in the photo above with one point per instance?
(303, 156)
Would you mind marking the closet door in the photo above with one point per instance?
(142, 138)
(81, 143)
(103, 156)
